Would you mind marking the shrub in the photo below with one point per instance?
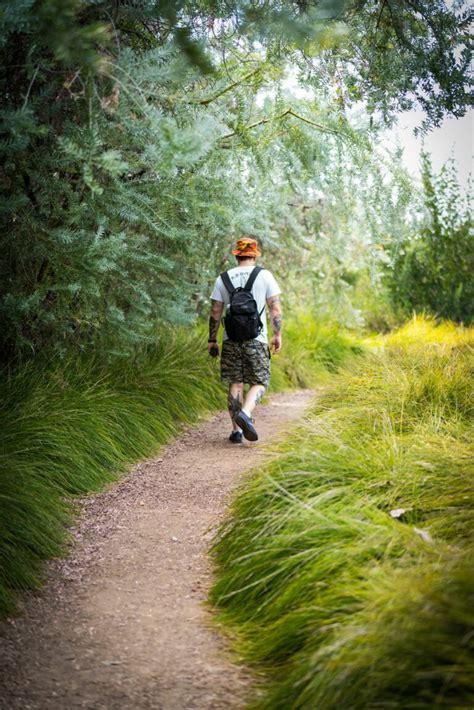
(433, 273)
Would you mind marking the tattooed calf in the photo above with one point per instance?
(234, 405)
(259, 395)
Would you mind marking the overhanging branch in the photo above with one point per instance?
(229, 87)
(278, 117)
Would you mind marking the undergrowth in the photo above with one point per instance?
(312, 350)
(71, 426)
(345, 566)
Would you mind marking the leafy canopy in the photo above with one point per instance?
(139, 138)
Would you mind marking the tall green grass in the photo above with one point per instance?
(345, 566)
(68, 427)
(71, 426)
(312, 350)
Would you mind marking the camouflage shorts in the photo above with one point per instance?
(247, 362)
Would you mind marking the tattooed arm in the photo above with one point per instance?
(276, 319)
(214, 321)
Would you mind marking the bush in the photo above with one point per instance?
(433, 273)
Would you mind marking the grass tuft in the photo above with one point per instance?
(312, 350)
(345, 566)
(70, 427)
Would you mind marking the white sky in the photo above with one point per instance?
(454, 137)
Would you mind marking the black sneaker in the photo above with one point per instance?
(236, 437)
(244, 421)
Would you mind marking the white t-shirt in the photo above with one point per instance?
(264, 287)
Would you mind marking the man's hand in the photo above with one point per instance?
(275, 343)
(213, 349)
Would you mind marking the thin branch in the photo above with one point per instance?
(30, 87)
(136, 33)
(419, 10)
(326, 129)
(229, 87)
(253, 125)
(398, 29)
(380, 14)
(117, 39)
(287, 112)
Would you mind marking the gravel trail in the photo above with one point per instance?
(121, 623)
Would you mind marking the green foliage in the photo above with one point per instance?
(371, 298)
(120, 196)
(409, 52)
(98, 239)
(127, 162)
(433, 272)
(345, 565)
(313, 348)
(70, 427)
(389, 54)
(348, 221)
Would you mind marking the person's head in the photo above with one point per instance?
(246, 251)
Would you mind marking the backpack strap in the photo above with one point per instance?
(227, 282)
(252, 277)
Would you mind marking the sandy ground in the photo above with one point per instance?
(122, 622)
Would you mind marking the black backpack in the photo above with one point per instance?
(242, 320)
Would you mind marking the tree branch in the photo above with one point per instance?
(229, 87)
(398, 29)
(380, 14)
(30, 87)
(287, 112)
(326, 129)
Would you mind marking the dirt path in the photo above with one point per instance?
(122, 624)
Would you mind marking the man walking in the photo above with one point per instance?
(244, 291)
